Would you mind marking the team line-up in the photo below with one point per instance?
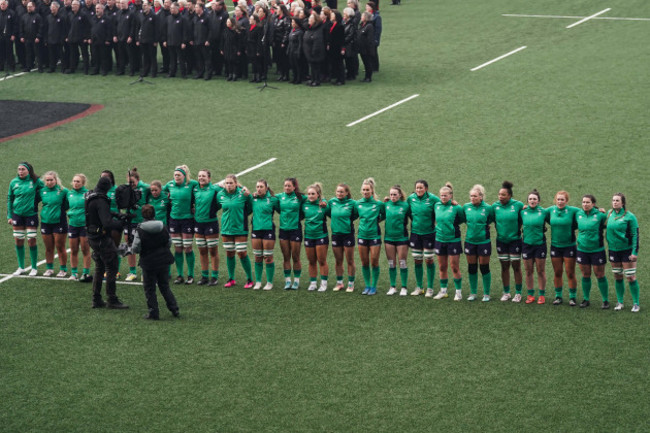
(190, 210)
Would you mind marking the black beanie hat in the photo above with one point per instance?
(103, 184)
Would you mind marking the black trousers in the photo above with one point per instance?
(149, 61)
(6, 53)
(297, 68)
(55, 51)
(105, 258)
(368, 64)
(337, 70)
(151, 278)
(74, 56)
(122, 58)
(203, 60)
(101, 53)
(164, 51)
(32, 53)
(177, 58)
(216, 58)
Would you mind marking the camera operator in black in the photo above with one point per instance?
(152, 242)
(99, 223)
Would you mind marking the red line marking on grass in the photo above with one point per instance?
(92, 109)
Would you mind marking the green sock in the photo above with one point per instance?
(178, 259)
(573, 293)
(73, 271)
(444, 282)
(586, 288)
(230, 263)
(297, 273)
(519, 288)
(375, 276)
(323, 278)
(506, 289)
(531, 292)
(473, 283)
(350, 278)
(339, 279)
(366, 274)
(49, 265)
(603, 286)
(246, 264)
(119, 262)
(487, 283)
(431, 274)
(86, 271)
(33, 256)
(214, 274)
(64, 268)
(189, 258)
(419, 273)
(133, 270)
(558, 292)
(392, 276)
(634, 290)
(458, 283)
(259, 268)
(404, 276)
(270, 272)
(205, 273)
(542, 292)
(620, 290)
(287, 273)
(312, 279)
(20, 254)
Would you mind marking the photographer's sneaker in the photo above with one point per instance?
(441, 294)
(619, 306)
(635, 308)
(391, 291)
(416, 292)
(33, 272)
(269, 286)
(257, 286)
(505, 297)
(48, 273)
(131, 277)
(517, 298)
(403, 291)
(19, 271)
(429, 293)
(471, 297)
(62, 274)
(458, 296)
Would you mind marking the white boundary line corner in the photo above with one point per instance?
(382, 110)
(498, 58)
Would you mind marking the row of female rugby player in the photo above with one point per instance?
(189, 208)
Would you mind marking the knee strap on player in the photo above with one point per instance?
(428, 255)
(417, 254)
(212, 242)
(515, 258)
(391, 264)
(268, 253)
(187, 243)
(257, 253)
(229, 246)
(630, 272)
(201, 243)
(485, 269)
(617, 271)
(503, 257)
(240, 247)
(472, 268)
(177, 242)
(19, 234)
(31, 233)
(402, 264)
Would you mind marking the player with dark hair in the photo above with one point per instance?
(507, 221)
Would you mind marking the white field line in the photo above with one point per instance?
(248, 170)
(588, 18)
(40, 277)
(16, 75)
(573, 17)
(382, 110)
(498, 58)
(29, 268)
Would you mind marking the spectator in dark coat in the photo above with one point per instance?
(314, 48)
(336, 48)
(295, 52)
(350, 47)
(232, 46)
(367, 45)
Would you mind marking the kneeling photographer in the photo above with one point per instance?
(99, 224)
(152, 242)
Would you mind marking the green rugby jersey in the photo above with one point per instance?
(315, 218)
(507, 220)
(371, 213)
(181, 198)
(396, 226)
(22, 196)
(263, 209)
(55, 203)
(422, 213)
(161, 206)
(343, 213)
(235, 209)
(563, 226)
(206, 205)
(77, 207)
(290, 210)
(449, 217)
(533, 222)
(590, 231)
(478, 220)
(623, 231)
(111, 196)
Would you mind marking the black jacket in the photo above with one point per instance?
(8, 27)
(201, 29)
(57, 28)
(125, 25)
(31, 26)
(176, 31)
(367, 39)
(281, 29)
(78, 27)
(101, 30)
(152, 242)
(294, 46)
(232, 43)
(99, 220)
(217, 26)
(314, 44)
(147, 28)
(254, 41)
(336, 39)
(350, 38)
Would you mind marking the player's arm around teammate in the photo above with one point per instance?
(478, 247)
(534, 218)
(290, 202)
(145, 191)
(316, 238)
(562, 219)
(343, 213)
(448, 248)
(206, 227)
(371, 213)
(507, 221)
(54, 224)
(396, 238)
(22, 214)
(591, 249)
(623, 242)
(265, 203)
(77, 235)
(236, 207)
(423, 236)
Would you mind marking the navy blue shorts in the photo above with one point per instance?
(291, 235)
(76, 232)
(184, 226)
(206, 229)
(565, 252)
(620, 256)
(448, 248)
(483, 250)
(422, 242)
(313, 243)
(50, 229)
(265, 235)
(396, 243)
(595, 259)
(534, 251)
(369, 242)
(343, 240)
(24, 221)
(509, 248)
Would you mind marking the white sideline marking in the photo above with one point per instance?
(498, 58)
(382, 110)
(40, 277)
(573, 17)
(29, 268)
(248, 170)
(588, 18)
(16, 75)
